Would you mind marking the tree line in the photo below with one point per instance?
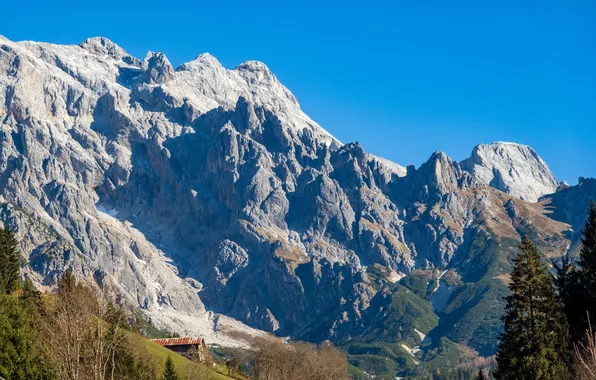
(77, 333)
(548, 317)
(73, 334)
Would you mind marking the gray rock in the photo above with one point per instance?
(206, 188)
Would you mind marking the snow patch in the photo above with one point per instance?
(411, 351)
(420, 334)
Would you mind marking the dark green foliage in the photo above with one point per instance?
(379, 350)
(409, 311)
(10, 262)
(577, 285)
(21, 356)
(535, 342)
(31, 299)
(67, 282)
(473, 315)
(169, 372)
(356, 374)
(439, 353)
(587, 272)
(381, 366)
(132, 362)
(418, 283)
(473, 311)
(587, 257)
(566, 280)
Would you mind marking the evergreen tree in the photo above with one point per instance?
(587, 272)
(577, 285)
(566, 280)
(30, 296)
(535, 342)
(10, 262)
(587, 256)
(21, 355)
(169, 372)
(67, 282)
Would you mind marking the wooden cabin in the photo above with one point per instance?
(188, 347)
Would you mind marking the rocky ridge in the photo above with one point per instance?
(202, 188)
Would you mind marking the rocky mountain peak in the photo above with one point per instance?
(436, 177)
(103, 46)
(515, 169)
(157, 69)
(254, 66)
(257, 73)
(444, 172)
(201, 62)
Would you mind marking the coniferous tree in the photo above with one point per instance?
(566, 281)
(587, 268)
(10, 262)
(30, 296)
(577, 285)
(21, 354)
(535, 342)
(169, 372)
(67, 282)
(587, 256)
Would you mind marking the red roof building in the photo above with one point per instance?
(188, 347)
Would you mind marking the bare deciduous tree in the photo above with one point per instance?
(77, 334)
(196, 371)
(276, 360)
(585, 356)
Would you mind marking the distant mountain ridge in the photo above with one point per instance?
(207, 200)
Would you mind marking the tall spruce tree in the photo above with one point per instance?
(577, 284)
(535, 343)
(10, 262)
(587, 256)
(566, 280)
(169, 372)
(587, 268)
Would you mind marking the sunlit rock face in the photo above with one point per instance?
(512, 168)
(200, 192)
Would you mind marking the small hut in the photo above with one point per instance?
(188, 347)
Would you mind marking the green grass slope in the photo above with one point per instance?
(160, 354)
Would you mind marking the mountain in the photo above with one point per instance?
(208, 201)
(570, 205)
(512, 168)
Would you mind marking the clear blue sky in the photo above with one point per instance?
(405, 78)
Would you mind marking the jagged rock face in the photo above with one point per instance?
(177, 189)
(570, 205)
(132, 164)
(512, 168)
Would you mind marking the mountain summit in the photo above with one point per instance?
(515, 169)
